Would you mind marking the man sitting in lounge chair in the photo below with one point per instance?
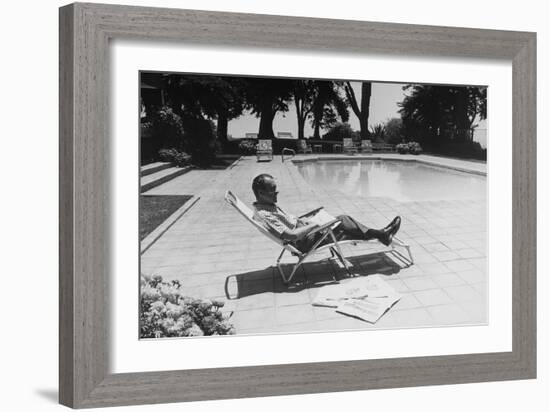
(295, 230)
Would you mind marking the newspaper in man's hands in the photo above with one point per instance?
(321, 217)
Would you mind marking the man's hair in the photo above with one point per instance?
(259, 182)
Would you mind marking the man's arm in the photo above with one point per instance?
(299, 232)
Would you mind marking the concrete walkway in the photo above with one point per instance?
(215, 253)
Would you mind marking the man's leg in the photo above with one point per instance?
(351, 229)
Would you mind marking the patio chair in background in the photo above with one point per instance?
(251, 135)
(348, 146)
(284, 135)
(326, 230)
(303, 146)
(264, 149)
(366, 146)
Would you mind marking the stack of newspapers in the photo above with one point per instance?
(366, 298)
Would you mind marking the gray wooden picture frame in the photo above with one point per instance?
(85, 31)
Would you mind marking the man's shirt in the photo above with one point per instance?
(272, 216)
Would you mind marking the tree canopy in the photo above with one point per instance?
(446, 112)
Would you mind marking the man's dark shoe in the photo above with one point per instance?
(393, 222)
(387, 233)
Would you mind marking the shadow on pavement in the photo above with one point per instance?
(310, 275)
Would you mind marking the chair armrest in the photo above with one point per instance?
(314, 211)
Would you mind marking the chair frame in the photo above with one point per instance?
(349, 149)
(327, 230)
(366, 147)
(264, 152)
(305, 149)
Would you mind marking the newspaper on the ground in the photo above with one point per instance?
(372, 286)
(368, 309)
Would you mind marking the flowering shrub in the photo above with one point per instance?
(166, 312)
(174, 156)
(411, 147)
(247, 147)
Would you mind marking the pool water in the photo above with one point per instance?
(399, 180)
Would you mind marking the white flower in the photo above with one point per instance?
(195, 331)
(158, 306)
(174, 311)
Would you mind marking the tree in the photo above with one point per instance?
(304, 94)
(435, 113)
(328, 105)
(266, 97)
(394, 130)
(206, 97)
(361, 111)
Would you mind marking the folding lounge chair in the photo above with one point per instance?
(264, 148)
(326, 230)
(349, 146)
(303, 146)
(366, 146)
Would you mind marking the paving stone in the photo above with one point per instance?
(420, 283)
(432, 297)
(462, 293)
(294, 314)
(448, 279)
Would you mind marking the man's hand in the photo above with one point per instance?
(299, 232)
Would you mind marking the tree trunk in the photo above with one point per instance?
(300, 116)
(266, 122)
(364, 124)
(316, 133)
(366, 90)
(301, 123)
(222, 129)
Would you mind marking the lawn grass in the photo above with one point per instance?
(155, 209)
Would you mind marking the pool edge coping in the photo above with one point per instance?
(430, 163)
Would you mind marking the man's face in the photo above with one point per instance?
(268, 193)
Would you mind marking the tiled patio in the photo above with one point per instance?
(215, 253)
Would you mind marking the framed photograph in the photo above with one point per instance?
(243, 196)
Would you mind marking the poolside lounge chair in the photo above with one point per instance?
(383, 147)
(366, 146)
(326, 230)
(284, 135)
(303, 146)
(348, 146)
(264, 149)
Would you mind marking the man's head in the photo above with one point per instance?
(265, 188)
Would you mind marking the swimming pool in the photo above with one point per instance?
(404, 181)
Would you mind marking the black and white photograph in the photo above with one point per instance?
(289, 205)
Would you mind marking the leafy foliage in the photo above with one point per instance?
(394, 132)
(328, 105)
(265, 97)
(410, 147)
(165, 311)
(175, 156)
(247, 147)
(339, 132)
(378, 133)
(200, 140)
(444, 117)
(166, 127)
